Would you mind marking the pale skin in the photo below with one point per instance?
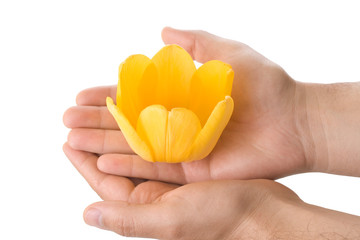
(279, 127)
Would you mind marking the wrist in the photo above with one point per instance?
(305, 221)
(309, 123)
(295, 219)
(309, 127)
(327, 118)
(275, 213)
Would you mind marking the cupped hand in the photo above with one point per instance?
(207, 210)
(262, 139)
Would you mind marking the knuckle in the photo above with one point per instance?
(126, 226)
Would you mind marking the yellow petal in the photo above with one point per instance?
(151, 127)
(210, 134)
(118, 89)
(182, 130)
(133, 139)
(209, 85)
(170, 135)
(175, 68)
(137, 83)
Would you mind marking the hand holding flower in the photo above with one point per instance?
(261, 139)
(276, 128)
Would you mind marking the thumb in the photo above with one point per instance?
(131, 220)
(201, 45)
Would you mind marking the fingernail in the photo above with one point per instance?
(93, 217)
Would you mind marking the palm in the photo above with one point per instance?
(151, 202)
(260, 140)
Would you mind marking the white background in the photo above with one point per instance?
(50, 50)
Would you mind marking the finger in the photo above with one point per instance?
(98, 141)
(135, 166)
(96, 96)
(154, 220)
(89, 117)
(108, 187)
(150, 191)
(137, 181)
(202, 46)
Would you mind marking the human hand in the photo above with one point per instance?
(237, 209)
(261, 140)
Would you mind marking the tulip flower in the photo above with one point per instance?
(169, 111)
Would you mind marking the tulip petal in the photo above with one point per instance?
(170, 135)
(209, 85)
(211, 132)
(151, 127)
(137, 83)
(175, 68)
(182, 130)
(133, 139)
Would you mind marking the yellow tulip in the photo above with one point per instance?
(168, 110)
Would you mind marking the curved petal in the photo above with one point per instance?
(175, 68)
(211, 132)
(133, 139)
(182, 130)
(170, 135)
(209, 85)
(137, 83)
(151, 127)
